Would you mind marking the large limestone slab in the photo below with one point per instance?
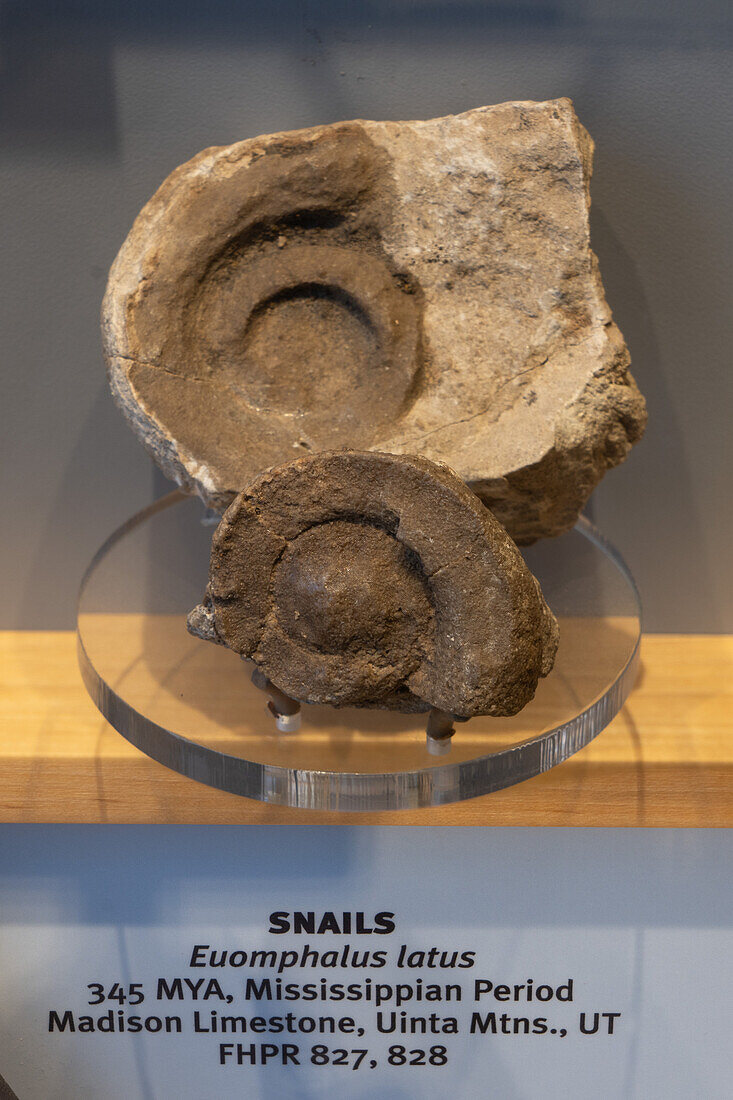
(413, 287)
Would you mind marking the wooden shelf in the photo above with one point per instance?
(666, 760)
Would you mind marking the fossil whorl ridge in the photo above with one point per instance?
(413, 287)
(377, 580)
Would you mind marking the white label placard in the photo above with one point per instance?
(196, 963)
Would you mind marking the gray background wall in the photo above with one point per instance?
(98, 102)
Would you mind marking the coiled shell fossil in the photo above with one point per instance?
(412, 287)
(378, 580)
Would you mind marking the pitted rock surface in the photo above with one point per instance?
(413, 287)
(377, 580)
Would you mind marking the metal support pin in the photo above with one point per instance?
(439, 732)
(284, 710)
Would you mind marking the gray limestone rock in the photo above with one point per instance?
(377, 580)
(413, 287)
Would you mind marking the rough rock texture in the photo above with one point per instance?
(377, 580)
(414, 287)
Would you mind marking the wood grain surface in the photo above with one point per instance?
(666, 760)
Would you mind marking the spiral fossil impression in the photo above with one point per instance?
(377, 580)
(413, 287)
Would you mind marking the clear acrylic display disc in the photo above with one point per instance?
(191, 705)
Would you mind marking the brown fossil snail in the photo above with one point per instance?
(367, 579)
